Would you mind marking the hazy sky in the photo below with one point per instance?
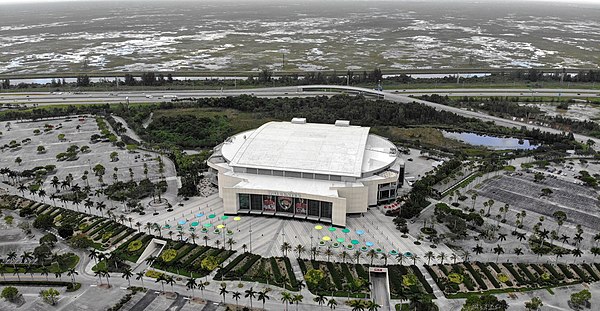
(564, 1)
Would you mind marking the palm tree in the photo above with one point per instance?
(250, 294)
(441, 257)
(331, 303)
(320, 299)
(100, 206)
(99, 274)
(205, 238)
(263, 297)
(300, 249)
(400, 257)
(429, 255)
(161, 278)
(372, 254)
(72, 273)
(328, 252)
(236, 296)
(286, 298)
(357, 255)
(140, 277)
(453, 257)
(498, 250)
(372, 305)
(27, 257)
(44, 271)
(201, 287)
(501, 236)
(518, 251)
(285, 247)
(230, 242)
(42, 194)
(193, 235)
(138, 225)
(576, 253)
(107, 275)
(93, 255)
(148, 227)
(58, 275)
(297, 299)
(314, 251)
(191, 284)
(344, 254)
(223, 291)
(384, 256)
(22, 189)
(478, 249)
(244, 247)
(127, 274)
(169, 279)
(357, 305)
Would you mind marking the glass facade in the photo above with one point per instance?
(285, 206)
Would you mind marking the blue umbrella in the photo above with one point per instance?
(199, 214)
(360, 232)
(181, 222)
(369, 244)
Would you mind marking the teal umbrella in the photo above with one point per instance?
(167, 226)
(224, 217)
(340, 240)
(195, 223)
(192, 229)
(346, 230)
(207, 225)
(331, 229)
(355, 242)
(211, 216)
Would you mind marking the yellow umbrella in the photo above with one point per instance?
(221, 226)
(326, 238)
(237, 218)
(318, 227)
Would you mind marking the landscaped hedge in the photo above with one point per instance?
(553, 271)
(347, 273)
(580, 273)
(221, 272)
(523, 267)
(565, 270)
(488, 274)
(335, 276)
(290, 273)
(477, 276)
(422, 279)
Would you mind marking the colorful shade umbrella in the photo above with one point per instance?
(221, 226)
(224, 217)
(354, 242)
(167, 226)
(318, 227)
(393, 252)
(340, 240)
(179, 227)
(331, 229)
(195, 224)
(326, 238)
(192, 229)
(360, 232)
(207, 225)
(199, 214)
(181, 222)
(346, 230)
(369, 244)
(211, 216)
(237, 218)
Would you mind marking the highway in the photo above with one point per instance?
(400, 96)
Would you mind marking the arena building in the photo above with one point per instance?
(320, 172)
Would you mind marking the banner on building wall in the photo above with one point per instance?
(301, 206)
(268, 203)
(284, 204)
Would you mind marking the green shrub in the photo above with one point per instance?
(134, 246)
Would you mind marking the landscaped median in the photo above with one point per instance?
(461, 280)
(254, 268)
(71, 287)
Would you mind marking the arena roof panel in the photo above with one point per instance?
(310, 147)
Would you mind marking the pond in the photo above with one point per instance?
(491, 142)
